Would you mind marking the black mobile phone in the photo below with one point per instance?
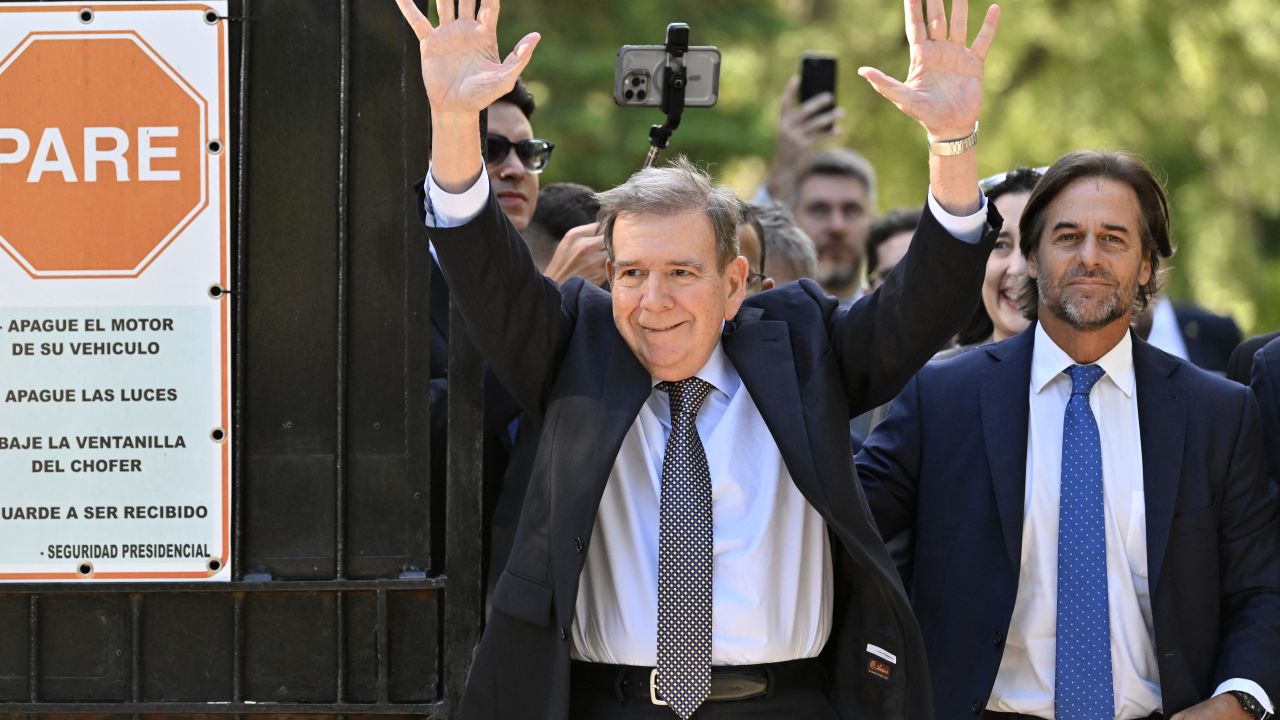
(817, 75)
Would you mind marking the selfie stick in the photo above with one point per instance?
(674, 80)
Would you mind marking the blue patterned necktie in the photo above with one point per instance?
(1083, 659)
(684, 556)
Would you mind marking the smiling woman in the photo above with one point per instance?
(1006, 267)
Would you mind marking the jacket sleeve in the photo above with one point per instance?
(1249, 558)
(889, 464)
(513, 314)
(884, 338)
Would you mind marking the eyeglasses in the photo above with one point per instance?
(533, 154)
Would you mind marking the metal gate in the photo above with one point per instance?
(339, 604)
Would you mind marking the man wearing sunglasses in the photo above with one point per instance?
(513, 157)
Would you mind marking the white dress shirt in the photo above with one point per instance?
(1025, 681)
(772, 572)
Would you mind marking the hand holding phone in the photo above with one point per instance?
(817, 75)
(803, 124)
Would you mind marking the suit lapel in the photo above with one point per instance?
(1002, 392)
(1162, 419)
(626, 387)
(757, 350)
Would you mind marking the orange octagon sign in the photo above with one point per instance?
(102, 154)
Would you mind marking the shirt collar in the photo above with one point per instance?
(1048, 362)
(718, 371)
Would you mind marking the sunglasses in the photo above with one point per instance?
(987, 183)
(533, 154)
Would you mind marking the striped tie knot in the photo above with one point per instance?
(1084, 377)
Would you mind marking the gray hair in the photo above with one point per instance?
(679, 188)
(784, 237)
(840, 162)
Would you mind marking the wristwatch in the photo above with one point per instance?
(1250, 704)
(947, 148)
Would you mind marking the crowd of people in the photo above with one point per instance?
(792, 457)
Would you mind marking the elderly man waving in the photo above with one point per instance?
(694, 541)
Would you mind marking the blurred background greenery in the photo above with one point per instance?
(1187, 84)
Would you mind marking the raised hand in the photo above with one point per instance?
(801, 128)
(460, 65)
(943, 89)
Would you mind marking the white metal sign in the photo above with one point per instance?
(115, 383)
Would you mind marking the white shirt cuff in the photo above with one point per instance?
(1248, 686)
(966, 229)
(447, 210)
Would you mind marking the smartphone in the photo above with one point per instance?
(817, 75)
(638, 76)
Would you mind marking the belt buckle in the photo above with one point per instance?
(653, 688)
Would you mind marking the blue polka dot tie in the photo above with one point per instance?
(1083, 663)
(684, 556)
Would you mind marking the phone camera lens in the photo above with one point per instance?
(635, 81)
(628, 94)
(641, 95)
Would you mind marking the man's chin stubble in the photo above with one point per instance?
(1073, 315)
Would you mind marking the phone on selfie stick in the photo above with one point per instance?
(671, 76)
(818, 75)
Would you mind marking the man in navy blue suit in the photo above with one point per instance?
(1095, 534)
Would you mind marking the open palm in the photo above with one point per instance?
(461, 69)
(944, 84)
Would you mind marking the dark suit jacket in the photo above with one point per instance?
(1266, 388)
(1240, 365)
(950, 461)
(499, 410)
(808, 366)
(1210, 338)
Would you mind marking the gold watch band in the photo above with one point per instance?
(946, 148)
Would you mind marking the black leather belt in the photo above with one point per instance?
(728, 683)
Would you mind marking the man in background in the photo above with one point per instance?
(887, 242)
(562, 235)
(1189, 332)
(831, 192)
(789, 252)
(751, 245)
(833, 204)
